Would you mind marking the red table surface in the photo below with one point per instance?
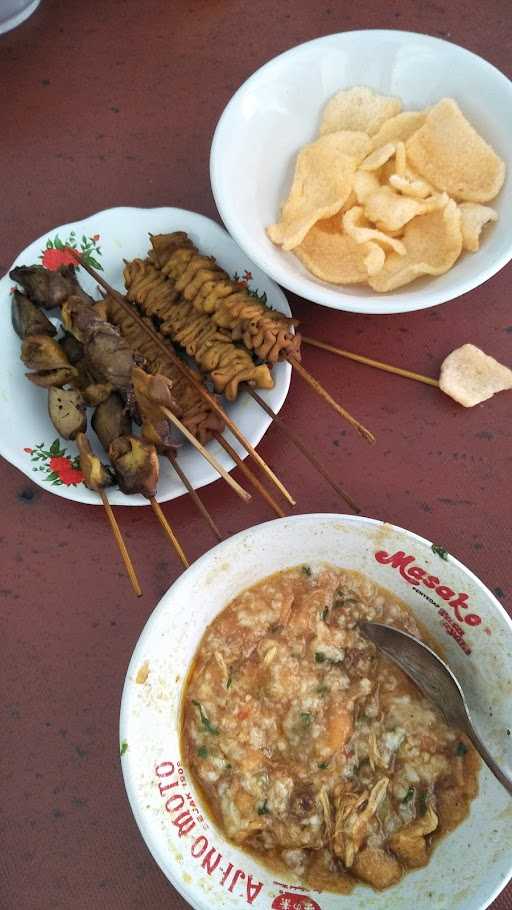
(114, 103)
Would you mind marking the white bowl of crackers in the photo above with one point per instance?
(368, 171)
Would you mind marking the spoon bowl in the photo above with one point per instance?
(435, 681)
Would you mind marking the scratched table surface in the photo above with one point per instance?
(115, 103)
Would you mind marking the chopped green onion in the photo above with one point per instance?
(409, 795)
(263, 809)
(323, 765)
(306, 570)
(202, 752)
(461, 749)
(229, 681)
(322, 690)
(320, 657)
(204, 719)
(124, 747)
(325, 614)
(306, 718)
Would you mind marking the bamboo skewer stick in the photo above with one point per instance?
(319, 389)
(419, 377)
(188, 373)
(121, 544)
(168, 531)
(251, 477)
(243, 494)
(305, 451)
(197, 499)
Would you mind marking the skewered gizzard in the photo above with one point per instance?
(27, 319)
(107, 358)
(99, 361)
(55, 367)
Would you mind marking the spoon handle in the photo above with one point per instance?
(488, 759)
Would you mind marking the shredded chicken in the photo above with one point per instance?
(354, 813)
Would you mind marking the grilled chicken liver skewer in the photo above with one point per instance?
(97, 476)
(28, 319)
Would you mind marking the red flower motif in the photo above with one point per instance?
(71, 476)
(59, 463)
(247, 276)
(53, 259)
(28, 450)
(63, 467)
(95, 237)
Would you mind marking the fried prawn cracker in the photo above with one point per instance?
(474, 217)
(470, 376)
(333, 256)
(399, 128)
(361, 233)
(358, 108)
(451, 155)
(432, 243)
(321, 185)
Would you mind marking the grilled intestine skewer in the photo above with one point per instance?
(187, 373)
(155, 297)
(212, 348)
(142, 341)
(102, 341)
(198, 416)
(199, 280)
(113, 362)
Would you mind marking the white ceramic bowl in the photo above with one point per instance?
(468, 868)
(278, 110)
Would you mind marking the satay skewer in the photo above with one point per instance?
(96, 478)
(305, 451)
(263, 332)
(187, 372)
(378, 364)
(468, 375)
(168, 531)
(120, 543)
(195, 496)
(251, 477)
(243, 494)
(323, 393)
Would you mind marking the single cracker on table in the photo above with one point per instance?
(470, 376)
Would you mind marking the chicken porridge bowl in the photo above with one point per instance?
(273, 758)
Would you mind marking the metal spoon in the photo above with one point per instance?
(435, 680)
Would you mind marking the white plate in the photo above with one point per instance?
(469, 867)
(108, 237)
(278, 110)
